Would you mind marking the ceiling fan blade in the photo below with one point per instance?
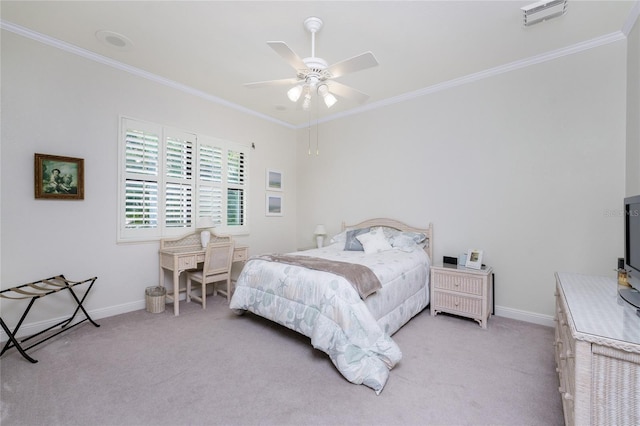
(357, 63)
(282, 82)
(347, 92)
(287, 54)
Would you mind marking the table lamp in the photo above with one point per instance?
(205, 223)
(320, 232)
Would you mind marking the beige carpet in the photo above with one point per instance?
(212, 367)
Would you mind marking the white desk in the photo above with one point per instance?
(184, 253)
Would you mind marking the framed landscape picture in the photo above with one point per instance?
(274, 180)
(57, 177)
(274, 205)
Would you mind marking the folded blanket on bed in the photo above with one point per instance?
(361, 277)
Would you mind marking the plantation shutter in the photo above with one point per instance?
(171, 178)
(141, 177)
(210, 201)
(179, 179)
(236, 188)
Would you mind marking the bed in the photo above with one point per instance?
(348, 297)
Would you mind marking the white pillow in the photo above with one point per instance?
(374, 241)
(404, 243)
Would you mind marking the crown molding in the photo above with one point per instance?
(548, 56)
(70, 48)
(632, 19)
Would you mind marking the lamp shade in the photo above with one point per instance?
(329, 99)
(205, 222)
(294, 93)
(320, 230)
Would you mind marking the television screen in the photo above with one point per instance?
(632, 250)
(633, 236)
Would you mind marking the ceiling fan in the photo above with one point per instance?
(313, 74)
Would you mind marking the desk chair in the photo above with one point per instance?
(217, 267)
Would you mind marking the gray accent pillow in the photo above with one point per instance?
(352, 243)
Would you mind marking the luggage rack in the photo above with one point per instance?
(34, 291)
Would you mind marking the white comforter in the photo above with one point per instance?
(325, 307)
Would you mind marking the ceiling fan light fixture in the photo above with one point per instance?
(294, 93)
(329, 99)
(307, 101)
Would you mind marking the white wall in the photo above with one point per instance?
(57, 103)
(524, 165)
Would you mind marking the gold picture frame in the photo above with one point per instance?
(59, 178)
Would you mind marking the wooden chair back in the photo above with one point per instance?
(218, 259)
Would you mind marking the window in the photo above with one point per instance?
(171, 178)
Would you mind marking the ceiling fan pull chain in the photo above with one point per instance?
(317, 129)
(309, 131)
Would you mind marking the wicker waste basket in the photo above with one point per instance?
(155, 299)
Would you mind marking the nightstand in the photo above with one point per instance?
(462, 291)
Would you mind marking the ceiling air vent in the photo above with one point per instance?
(543, 10)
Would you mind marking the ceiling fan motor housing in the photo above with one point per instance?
(316, 71)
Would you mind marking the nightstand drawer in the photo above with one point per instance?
(455, 303)
(462, 283)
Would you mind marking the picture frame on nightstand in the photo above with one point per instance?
(474, 259)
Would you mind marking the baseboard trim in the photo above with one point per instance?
(35, 327)
(29, 329)
(32, 328)
(526, 316)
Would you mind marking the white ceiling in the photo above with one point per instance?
(214, 47)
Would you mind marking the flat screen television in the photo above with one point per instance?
(632, 250)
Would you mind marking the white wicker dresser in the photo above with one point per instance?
(597, 348)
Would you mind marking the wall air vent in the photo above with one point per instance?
(543, 10)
